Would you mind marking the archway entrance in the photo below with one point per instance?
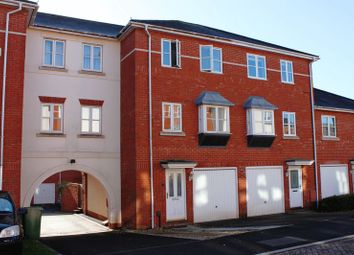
(78, 197)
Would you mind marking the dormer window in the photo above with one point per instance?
(260, 122)
(214, 119)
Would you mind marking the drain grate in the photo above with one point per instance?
(286, 240)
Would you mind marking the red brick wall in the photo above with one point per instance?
(336, 151)
(14, 99)
(70, 198)
(184, 86)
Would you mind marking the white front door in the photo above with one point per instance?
(295, 188)
(175, 195)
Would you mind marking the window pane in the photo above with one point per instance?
(45, 111)
(268, 129)
(252, 71)
(206, 57)
(211, 118)
(171, 185)
(59, 54)
(294, 179)
(251, 60)
(95, 126)
(179, 184)
(57, 111)
(87, 57)
(286, 119)
(261, 62)
(97, 58)
(177, 124)
(85, 113)
(290, 71)
(95, 113)
(176, 111)
(166, 53)
(261, 73)
(57, 125)
(167, 117)
(222, 119)
(45, 125)
(217, 60)
(85, 126)
(48, 55)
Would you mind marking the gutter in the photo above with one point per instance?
(150, 134)
(4, 90)
(314, 132)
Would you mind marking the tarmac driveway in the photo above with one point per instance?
(300, 228)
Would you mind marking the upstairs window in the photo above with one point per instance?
(286, 68)
(172, 117)
(92, 58)
(52, 118)
(289, 124)
(90, 119)
(256, 67)
(260, 122)
(214, 119)
(210, 59)
(53, 53)
(171, 53)
(329, 126)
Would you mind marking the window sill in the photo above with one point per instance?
(288, 83)
(92, 73)
(211, 72)
(53, 68)
(288, 137)
(165, 133)
(90, 136)
(257, 78)
(51, 135)
(172, 67)
(330, 138)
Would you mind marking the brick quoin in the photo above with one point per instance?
(14, 98)
(184, 86)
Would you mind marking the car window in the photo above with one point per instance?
(6, 206)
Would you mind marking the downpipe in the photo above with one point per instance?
(4, 79)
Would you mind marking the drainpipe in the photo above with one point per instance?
(314, 132)
(4, 91)
(150, 133)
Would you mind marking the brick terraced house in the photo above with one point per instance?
(168, 122)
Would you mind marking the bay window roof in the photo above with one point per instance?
(212, 98)
(256, 102)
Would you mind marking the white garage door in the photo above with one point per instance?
(215, 194)
(45, 194)
(334, 180)
(265, 190)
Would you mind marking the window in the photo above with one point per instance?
(286, 68)
(289, 124)
(92, 58)
(260, 122)
(210, 59)
(52, 118)
(256, 67)
(214, 119)
(171, 53)
(90, 119)
(329, 126)
(172, 117)
(53, 53)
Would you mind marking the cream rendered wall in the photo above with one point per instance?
(43, 156)
(96, 196)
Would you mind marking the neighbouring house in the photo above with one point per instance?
(167, 121)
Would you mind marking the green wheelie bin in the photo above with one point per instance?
(32, 226)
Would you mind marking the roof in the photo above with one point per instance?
(330, 100)
(213, 98)
(69, 24)
(214, 32)
(259, 103)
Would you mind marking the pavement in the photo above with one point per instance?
(298, 229)
(61, 224)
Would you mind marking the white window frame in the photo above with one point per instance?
(203, 128)
(287, 72)
(251, 122)
(51, 118)
(92, 46)
(54, 41)
(172, 129)
(91, 120)
(212, 48)
(178, 53)
(257, 73)
(289, 113)
(328, 126)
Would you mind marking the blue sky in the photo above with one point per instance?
(321, 27)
